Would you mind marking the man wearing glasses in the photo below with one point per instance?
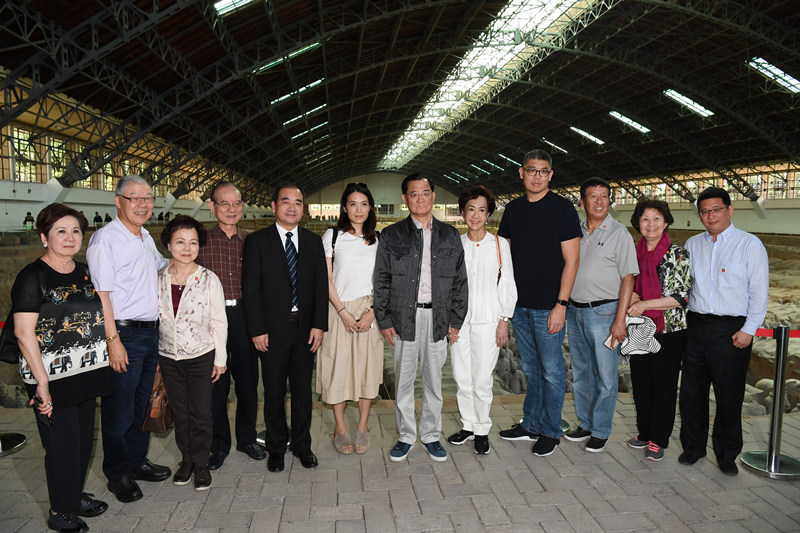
(728, 302)
(124, 265)
(544, 233)
(222, 254)
(420, 297)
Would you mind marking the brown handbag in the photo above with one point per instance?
(158, 417)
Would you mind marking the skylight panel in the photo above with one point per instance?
(448, 177)
(508, 159)
(688, 103)
(629, 121)
(280, 60)
(304, 115)
(479, 168)
(295, 93)
(227, 6)
(460, 176)
(587, 135)
(498, 167)
(310, 130)
(771, 72)
(554, 146)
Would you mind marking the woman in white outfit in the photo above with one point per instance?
(492, 296)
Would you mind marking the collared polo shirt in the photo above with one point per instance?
(223, 256)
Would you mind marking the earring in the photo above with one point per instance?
(44, 244)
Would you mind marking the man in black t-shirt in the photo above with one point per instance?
(544, 232)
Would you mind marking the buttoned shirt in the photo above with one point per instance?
(126, 266)
(295, 239)
(730, 276)
(223, 256)
(424, 294)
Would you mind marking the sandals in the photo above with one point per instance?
(342, 443)
(361, 444)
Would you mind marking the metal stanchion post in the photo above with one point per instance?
(771, 463)
(11, 443)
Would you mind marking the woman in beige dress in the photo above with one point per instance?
(350, 362)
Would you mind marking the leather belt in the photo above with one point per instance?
(591, 304)
(141, 324)
(233, 303)
(716, 318)
(426, 305)
(293, 316)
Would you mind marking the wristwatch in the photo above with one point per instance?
(565, 303)
(504, 318)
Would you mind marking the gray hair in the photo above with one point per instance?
(538, 153)
(128, 180)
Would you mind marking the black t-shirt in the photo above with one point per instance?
(70, 330)
(536, 231)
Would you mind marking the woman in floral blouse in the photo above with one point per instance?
(661, 292)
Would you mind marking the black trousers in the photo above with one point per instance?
(710, 358)
(243, 368)
(188, 384)
(67, 443)
(295, 361)
(654, 378)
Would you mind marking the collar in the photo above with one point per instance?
(122, 227)
(240, 233)
(282, 232)
(418, 224)
(603, 225)
(725, 235)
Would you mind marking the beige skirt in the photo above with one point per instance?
(349, 365)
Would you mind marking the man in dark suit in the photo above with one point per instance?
(285, 293)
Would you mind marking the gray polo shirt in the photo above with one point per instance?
(607, 255)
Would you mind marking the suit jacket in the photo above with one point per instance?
(267, 287)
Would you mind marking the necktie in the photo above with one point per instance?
(291, 259)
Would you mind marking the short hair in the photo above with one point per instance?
(541, 155)
(288, 185)
(415, 177)
(220, 184)
(344, 224)
(51, 214)
(128, 180)
(714, 192)
(594, 182)
(471, 193)
(183, 222)
(650, 203)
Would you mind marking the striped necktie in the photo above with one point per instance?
(291, 259)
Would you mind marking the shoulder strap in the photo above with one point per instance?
(333, 245)
(499, 258)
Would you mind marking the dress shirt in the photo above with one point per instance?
(295, 239)
(731, 276)
(223, 256)
(126, 266)
(425, 295)
(488, 298)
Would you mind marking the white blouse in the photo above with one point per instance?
(353, 264)
(488, 299)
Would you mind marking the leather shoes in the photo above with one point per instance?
(255, 451)
(275, 462)
(150, 472)
(690, 458)
(216, 459)
(125, 489)
(307, 459)
(90, 506)
(728, 468)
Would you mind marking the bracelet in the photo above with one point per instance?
(112, 338)
(340, 310)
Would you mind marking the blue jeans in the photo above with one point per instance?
(543, 366)
(594, 367)
(125, 445)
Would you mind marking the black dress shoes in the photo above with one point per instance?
(728, 468)
(125, 489)
(216, 460)
(690, 458)
(90, 506)
(150, 472)
(255, 451)
(66, 523)
(307, 459)
(275, 462)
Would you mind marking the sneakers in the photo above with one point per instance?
(400, 451)
(183, 474)
(482, 444)
(637, 444)
(461, 437)
(544, 446)
(436, 451)
(578, 434)
(596, 445)
(202, 478)
(517, 432)
(654, 452)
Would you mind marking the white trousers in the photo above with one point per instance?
(474, 357)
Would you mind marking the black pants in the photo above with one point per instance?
(654, 378)
(293, 360)
(188, 384)
(243, 368)
(67, 443)
(710, 358)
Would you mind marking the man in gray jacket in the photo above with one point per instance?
(420, 297)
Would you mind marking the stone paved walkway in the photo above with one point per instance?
(508, 490)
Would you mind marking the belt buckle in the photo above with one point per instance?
(230, 303)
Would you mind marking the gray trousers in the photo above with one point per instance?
(431, 356)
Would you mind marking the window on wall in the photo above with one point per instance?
(385, 209)
(23, 156)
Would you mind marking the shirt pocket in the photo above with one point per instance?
(732, 277)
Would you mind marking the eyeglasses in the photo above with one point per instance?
(138, 199)
(543, 172)
(225, 205)
(414, 194)
(715, 210)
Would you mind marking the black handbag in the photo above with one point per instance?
(9, 346)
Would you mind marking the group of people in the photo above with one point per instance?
(286, 299)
